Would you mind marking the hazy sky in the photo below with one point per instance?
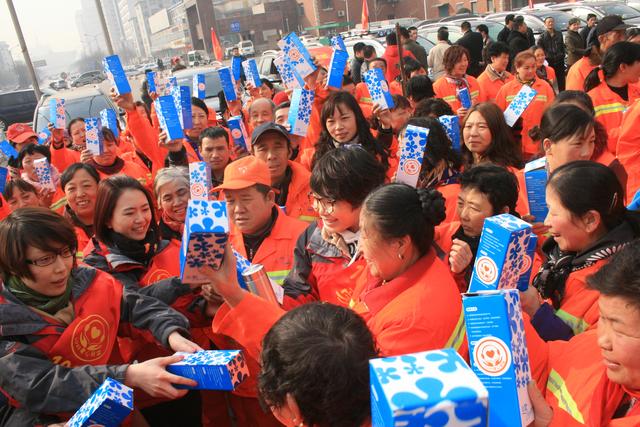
(44, 23)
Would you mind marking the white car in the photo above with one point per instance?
(246, 48)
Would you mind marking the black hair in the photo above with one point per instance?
(591, 15)
(562, 121)
(438, 147)
(620, 53)
(213, 133)
(412, 28)
(400, 101)
(482, 28)
(32, 149)
(399, 210)
(368, 51)
(496, 182)
(518, 22)
(223, 103)
(73, 122)
(347, 80)
(573, 97)
(71, 171)
(197, 102)
(465, 26)
(358, 47)
(108, 134)
(340, 100)
(509, 18)
(319, 354)
(432, 107)
(404, 32)
(266, 81)
(632, 32)
(392, 39)
(285, 104)
(411, 65)
(346, 173)
(419, 88)
(443, 34)
(18, 184)
(379, 59)
(620, 277)
(497, 49)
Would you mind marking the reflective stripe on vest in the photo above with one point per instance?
(576, 323)
(58, 204)
(616, 107)
(542, 98)
(449, 98)
(556, 385)
(278, 276)
(307, 218)
(457, 337)
(475, 94)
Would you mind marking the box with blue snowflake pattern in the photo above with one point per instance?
(239, 133)
(300, 111)
(519, 103)
(527, 266)
(464, 96)
(535, 179)
(290, 78)
(251, 72)
(200, 180)
(498, 354)
(94, 139)
(413, 143)
(206, 231)
(337, 66)
(378, 88)
(168, 117)
(109, 119)
(431, 388)
(182, 100)
(4, 172)
(500, 255)
(199, 86)
(451, 125)
(297, 55)
(338, 43)
(108, 406)
(57, 114)
(42, 168)
(116, 75)
(228, 83)
(212, 369)
(43, 136)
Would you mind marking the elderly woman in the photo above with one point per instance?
(171, 188)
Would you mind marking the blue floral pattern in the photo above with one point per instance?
(200, 180)
(57, 114)
(168, 117)
(290, 78)
(337, 43)
(519, 353)
(300, 111)
(42, 169)
(412, 146)
(451, 125)
(378, 88)
(108, 406)
(212, 369)
(251, 72)
(93, 135)
(520, 103)
(297, 55)
(182, 101)
(108, 119)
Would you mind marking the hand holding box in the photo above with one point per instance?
(168, 117)
(42, 169)
(239, 133)
(535, 178)
(337, 66)
(297, 55)
(414, 143)
(212, 369)
(251, 72)
(290, 78)
(378, 88)
(116, 75)
(464, 96)
(182, 100)
(93, 135)
(228, 83)
(300, 111)
(57, 114)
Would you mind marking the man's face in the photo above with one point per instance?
(261, 111)
(549, 23)
(378, 64)
(273, 149)
(413, 35)
(235, 51)
(592, 21)
(575, 26)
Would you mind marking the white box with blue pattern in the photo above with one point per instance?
(108, 406)
(212, 369)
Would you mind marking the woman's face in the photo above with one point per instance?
(619, 340)
(266, 92)
(23, 199)
(27, 165)
(569, 149)
(540, 57)
(200, 121)
(342, 124)
(460, 67)
(142, 112)
(473, 208)
(50, 280)
(337, 215)
(77, 133)
(381, 255)
(81, 193)
(631, 72)
(527, 70)
(174, 197)
(109, 153)
(568, 231)
(476, 134)
(132, 215)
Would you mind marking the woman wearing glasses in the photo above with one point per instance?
(61, 323)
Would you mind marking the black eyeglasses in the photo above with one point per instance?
(327, 205)
(46, 260)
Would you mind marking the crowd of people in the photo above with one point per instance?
(369, 267)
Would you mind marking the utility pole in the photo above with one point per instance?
(23, 47)
(105, 30)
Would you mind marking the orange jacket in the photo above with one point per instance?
(578, 73)
(491, 87)
(63, 157)
(364, 99)
(609, 108)
(298, 205)
(4, 208)
(551, 75)
(134, 171)
(533, 114)
(450, 193)
(146, 139)
(392, 56)
(447, 91)
(628, 148)
(443, 237)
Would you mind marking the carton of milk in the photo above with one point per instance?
(109, 120)
(239, 133)
(414, 142)
(43, 136)
(168, 117)
(93, 136)
(464, 96)
(42, 169)
(212, 369)
(57, 114)
(4, 173)
(251, 72)
(500, 255)
(337, 43)
(337, 65)
(108, 406)
(498, 354)
(378, 88)
(116, 75)
(527, 265)
(182, 99)
(228, 83)
(535, 178)
(152, 85)
(199, 86)
(8, 150)
(451, 125)
(206, 231)
(431, 388)
(200, 180)
(520, 103)
(300, 111)
(290, 78)
(297, 55)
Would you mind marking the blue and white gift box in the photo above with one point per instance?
(337, 65)
(378, 88)
(337, 43)
(8, 150)
(500, 256)
(241, 265)
(414, 142)
(290, 78)
(297, 55)
(498, 354)
(116, 75)
(152, 82)
(109, 120)
(451, 125)
(236, 67)
(251, 72)
(4, 172)
(199, 86)
(464, 96)
(228, 83)
(206, 231)
(168, 117)
(520, 103)
(300, 111)
(239, 133)
(527, 265)
(42, 168)
(169, 83)
(212, 369)
(431, 388)
(200, 180)
(182, 99)
(108, 406)
(57, 114)
(535, 179)
(94, 136)
(43, 136)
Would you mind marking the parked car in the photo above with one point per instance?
(85, 102)
(534, 18)
(430, 32)
(17, 107)
(59, 85)
(246, 48)
(601, 9)
(211, 81)
(350, 42)
(88, 78)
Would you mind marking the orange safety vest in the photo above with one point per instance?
(609, 107)
(533, 114)
(628, 147)
(450, 193)
(64, 157)
(135, 171)
(491, 87)
(4, 208)
(298, 205)
(447, 91)
(578, 73)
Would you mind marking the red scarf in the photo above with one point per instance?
(607, 399)
(174, 225)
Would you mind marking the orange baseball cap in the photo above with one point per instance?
(244, 173)
(20, 132)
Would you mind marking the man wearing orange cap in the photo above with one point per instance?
(19, 135)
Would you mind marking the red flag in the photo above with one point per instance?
(217, 49)
(530, 4)
(365, 15)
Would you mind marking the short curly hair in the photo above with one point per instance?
(453, 55)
